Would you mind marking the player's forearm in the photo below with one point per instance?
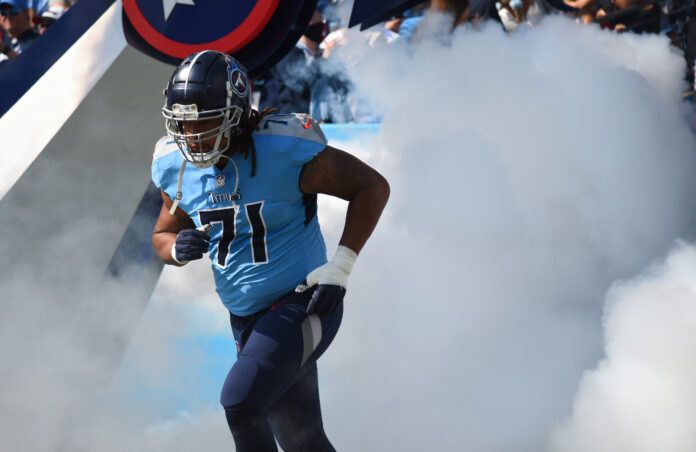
(364, 210)
(162, 242)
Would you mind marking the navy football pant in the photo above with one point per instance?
(271, 393)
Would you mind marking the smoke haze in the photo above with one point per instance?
(529, 172)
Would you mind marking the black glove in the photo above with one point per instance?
(326, 299)
(190, 245)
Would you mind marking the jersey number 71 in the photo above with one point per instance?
(226, 217)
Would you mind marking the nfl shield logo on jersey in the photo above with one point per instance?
(220, 180)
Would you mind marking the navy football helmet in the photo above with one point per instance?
(205, 86)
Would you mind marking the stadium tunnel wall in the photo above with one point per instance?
(76, 204)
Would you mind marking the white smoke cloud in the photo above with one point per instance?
(642, 396)
(528, 173)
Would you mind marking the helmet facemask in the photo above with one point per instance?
(229, 126)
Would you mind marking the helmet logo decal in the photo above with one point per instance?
(240, 85)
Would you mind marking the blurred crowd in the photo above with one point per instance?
(306, 80)
(23, 21)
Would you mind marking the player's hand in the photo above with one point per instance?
(326, 299)
(190, 245)
(331, 279)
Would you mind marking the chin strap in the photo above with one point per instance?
(179, 193)
(180, 182)
(236, 174)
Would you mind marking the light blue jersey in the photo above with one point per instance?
(261, 245)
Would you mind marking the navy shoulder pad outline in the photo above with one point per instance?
(295, 125)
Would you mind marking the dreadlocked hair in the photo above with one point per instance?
(247, 129)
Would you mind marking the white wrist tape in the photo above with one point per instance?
(336, 271)
(344, 258)
(174, 255)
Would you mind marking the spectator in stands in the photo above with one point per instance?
(460, 10)
(48, 18)
(638, 16)
(57, 6)
(408, 27)
(331, 100)
(394, 24)
(16, 21)
(288, 84)
(39, 6)
(620, 15)
(480, 10)
(6, 52)
(514, 13)
(332, 96)
(587, 9)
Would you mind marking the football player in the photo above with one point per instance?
(242, 185)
